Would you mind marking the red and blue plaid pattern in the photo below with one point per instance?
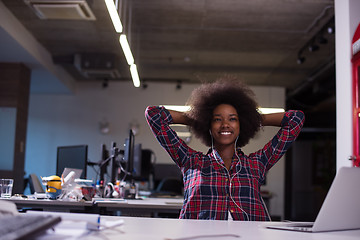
(210, 190)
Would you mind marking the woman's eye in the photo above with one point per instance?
(216, 119)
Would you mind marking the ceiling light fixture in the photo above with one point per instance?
(114, 15)
(182, 108)
(126, 48)
(271, 110)
(300, 60)
(322, 40)
(313, 48)
(331, 30)
(135, 75)
(319, 38)
(105, 83)
(178, 85)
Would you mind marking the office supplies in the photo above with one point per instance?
(23, 226)
(340, 209)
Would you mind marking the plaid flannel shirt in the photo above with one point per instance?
(210, 190)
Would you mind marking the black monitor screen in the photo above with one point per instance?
(129, 152)
(104, 162)
(72, 157)
(137, 173)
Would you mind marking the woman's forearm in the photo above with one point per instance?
(273, 119)
(179, 117)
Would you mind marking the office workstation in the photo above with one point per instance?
(64, 112)
(334, 220)
(128, 184)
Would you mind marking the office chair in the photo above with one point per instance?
(35, 184)
(170, 186)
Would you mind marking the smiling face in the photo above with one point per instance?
(225, 125)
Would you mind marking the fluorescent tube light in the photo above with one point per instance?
(184, 134)
(114, 15)
(135, 75)
(177, 108)
(126, 48)
(271, 110)
(187, 108)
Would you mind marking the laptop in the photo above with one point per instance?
(340, 209)
(77, 172)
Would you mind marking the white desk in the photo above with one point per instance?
(161, 229)
(147, 206)
(53, 205)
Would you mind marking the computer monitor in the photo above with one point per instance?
(137, 165)
(147, 164)
(104, 162)
(142, 165)
(129, 153)
(72, 157)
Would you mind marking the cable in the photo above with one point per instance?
(231, 178)
(266, 210)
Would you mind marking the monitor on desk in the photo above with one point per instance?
(162, 171)
(104, 162)
(129, 153)
(72, 157)
(137, 171)
(136, 160)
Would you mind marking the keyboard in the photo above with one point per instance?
(24, 226)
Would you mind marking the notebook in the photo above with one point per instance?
(340, 209)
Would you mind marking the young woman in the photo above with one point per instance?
(224, 183)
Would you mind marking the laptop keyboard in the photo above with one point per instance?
(24, 226)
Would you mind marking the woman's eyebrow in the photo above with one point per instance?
(219, 115)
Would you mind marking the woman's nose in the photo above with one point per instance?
(225, 123)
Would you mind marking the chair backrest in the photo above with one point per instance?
(170, 185)
(35, 184)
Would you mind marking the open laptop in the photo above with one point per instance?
(340, 209)
(77, 172)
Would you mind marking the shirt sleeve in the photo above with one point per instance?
(159, 119)
(291, 126)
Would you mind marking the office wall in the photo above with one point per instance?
(60, 120)
(347, 18)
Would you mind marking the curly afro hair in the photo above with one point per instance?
(226, 90)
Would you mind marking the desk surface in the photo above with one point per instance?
(174, 229)
(147, 205)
